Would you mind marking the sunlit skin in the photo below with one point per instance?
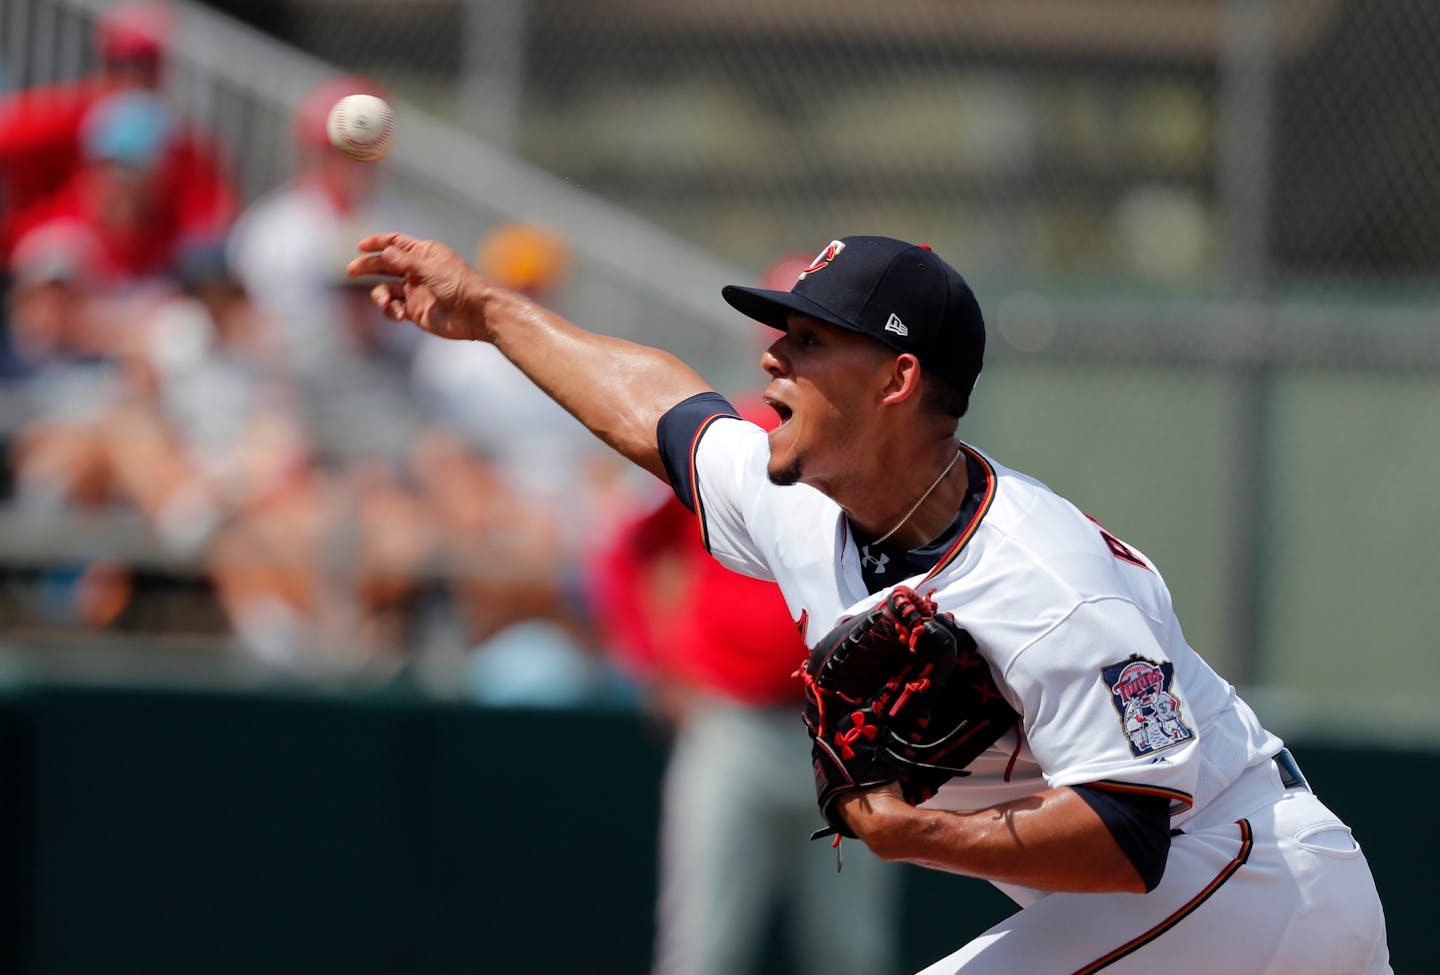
(853, 427)
(824, 381)
(1051, 840)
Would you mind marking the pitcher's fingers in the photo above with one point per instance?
(394, 254)
(389, 297)
(376, 242)
(375, 263)
(404, 256)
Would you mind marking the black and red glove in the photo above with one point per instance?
(899, 694)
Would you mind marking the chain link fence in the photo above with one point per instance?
(1069, 139)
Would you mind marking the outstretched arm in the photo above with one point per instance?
(618, 389)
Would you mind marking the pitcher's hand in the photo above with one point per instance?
(436, 289)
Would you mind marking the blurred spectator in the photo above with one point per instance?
(329, 565)
(512, 580)
(538, 448)
(180, 381)
(275, 434)
(171, 416)
(362, 404)
(291, 246)
(316, 561)
(64, 377)
(319, 567)
(53, 271)
(717, 652)
(64, 390)
(49, 134)
(547, 486)
(203, 381)
(123, 193)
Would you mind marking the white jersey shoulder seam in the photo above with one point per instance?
(1074, 608)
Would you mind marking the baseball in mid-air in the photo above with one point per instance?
(361, 126)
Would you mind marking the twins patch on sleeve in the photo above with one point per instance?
(1149, 711)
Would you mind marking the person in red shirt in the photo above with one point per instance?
(717, 652)
(123, 193)
(42, 138)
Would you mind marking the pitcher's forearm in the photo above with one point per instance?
(1052, 840)
(616, 388)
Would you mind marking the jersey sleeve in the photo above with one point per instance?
(1140, 825)
(678, 434)
(1102, 706)
(716, 465)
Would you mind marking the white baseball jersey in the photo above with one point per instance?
(1082, 639)
(1077, 627)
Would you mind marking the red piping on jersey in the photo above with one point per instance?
(980, 510)
(1010, 765)
(695, 480)
(1174, 795)
(1247, 842)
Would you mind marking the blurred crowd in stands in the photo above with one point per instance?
(342, 493)
(343, 496)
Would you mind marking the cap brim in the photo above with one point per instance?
(773, 308)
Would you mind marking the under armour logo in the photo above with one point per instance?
(894, 324)
(877, 564)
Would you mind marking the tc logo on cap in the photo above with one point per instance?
(822, 259)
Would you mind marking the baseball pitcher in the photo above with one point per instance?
(996, 685)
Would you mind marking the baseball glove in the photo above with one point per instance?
(898, 694)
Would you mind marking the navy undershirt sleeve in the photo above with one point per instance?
(676, 435)
(1139, 823)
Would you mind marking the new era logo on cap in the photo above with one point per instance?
(900, 294)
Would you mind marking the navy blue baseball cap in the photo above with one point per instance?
(897, 293)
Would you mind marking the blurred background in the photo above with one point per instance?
(289, 597)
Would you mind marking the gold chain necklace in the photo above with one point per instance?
(916, 506)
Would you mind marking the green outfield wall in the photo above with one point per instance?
(221, 833)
